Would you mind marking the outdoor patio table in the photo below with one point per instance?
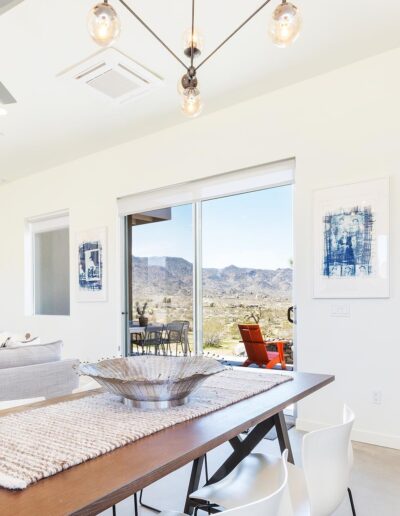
(141, 329)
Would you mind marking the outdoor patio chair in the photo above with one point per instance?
(152, 338)
(257, 348)
(176, 332)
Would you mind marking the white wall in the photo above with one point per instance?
(341, 127)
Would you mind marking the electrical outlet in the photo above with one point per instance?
(377, 397)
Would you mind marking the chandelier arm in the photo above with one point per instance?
(233, 33)
(152, 33)
(192, 45)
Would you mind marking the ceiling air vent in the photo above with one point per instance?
(6, 5)
(114, 75)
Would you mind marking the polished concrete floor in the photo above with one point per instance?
(375, 481)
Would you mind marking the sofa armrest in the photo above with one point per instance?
(47, 380)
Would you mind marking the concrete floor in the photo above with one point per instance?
(375, 481)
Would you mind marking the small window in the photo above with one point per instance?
(49, 265)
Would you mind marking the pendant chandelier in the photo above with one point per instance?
(104, 27)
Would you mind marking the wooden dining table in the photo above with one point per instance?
(97, 484)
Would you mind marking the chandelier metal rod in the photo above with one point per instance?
(233, 33)
(153, 33)
(192, 43)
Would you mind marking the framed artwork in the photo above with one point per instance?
(92, 262)
(351, 241)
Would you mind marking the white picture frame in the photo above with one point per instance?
(91, 246)
(351, 240)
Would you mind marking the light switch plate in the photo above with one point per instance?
(340, 310)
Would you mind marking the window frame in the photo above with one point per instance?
(261, 177)
(34, 226)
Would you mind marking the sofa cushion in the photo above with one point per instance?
(19, 344)
(12, 340)
(29, 355)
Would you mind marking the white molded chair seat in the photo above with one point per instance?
(269, 505)
(318, 488)
(255, 477)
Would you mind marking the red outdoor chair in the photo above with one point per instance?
(256, 348)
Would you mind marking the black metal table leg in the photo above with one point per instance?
(241, 449)
(235, 442)
(193, 483)
(283, 436)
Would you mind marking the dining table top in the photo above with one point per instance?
(97, 484)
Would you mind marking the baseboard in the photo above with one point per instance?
(362, 436)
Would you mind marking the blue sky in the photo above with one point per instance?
(249, 230)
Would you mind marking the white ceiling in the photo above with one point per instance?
(56, 121)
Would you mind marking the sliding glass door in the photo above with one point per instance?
(246, 268)
(206, 267)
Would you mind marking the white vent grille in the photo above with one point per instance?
(6, 5)
(113, 84)
(114, 76)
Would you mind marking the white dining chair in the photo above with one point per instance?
(266, 506)
(327, 457)
(316, 489)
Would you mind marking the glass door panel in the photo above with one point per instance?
(247, 269)
(161, 276)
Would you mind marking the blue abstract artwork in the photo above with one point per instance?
(348, 240)
(91, 266)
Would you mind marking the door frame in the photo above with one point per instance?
(194, 193)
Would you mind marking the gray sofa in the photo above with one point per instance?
(35, 371)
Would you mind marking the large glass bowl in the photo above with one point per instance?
(153, 381)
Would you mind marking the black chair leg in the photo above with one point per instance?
(154, 509)
(353, 509)
(114, 508)
(151, 508)
(209, 507)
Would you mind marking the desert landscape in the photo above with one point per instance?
(231, 295)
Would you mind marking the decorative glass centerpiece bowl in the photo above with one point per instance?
(147, 381)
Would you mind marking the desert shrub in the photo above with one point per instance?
(212, 333)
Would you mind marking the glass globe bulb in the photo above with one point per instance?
(198, 42)
(285, 24)
(191, 102)
(103, 24)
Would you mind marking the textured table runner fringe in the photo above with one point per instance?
(38, 443)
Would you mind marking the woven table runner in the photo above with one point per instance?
(41, 442)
